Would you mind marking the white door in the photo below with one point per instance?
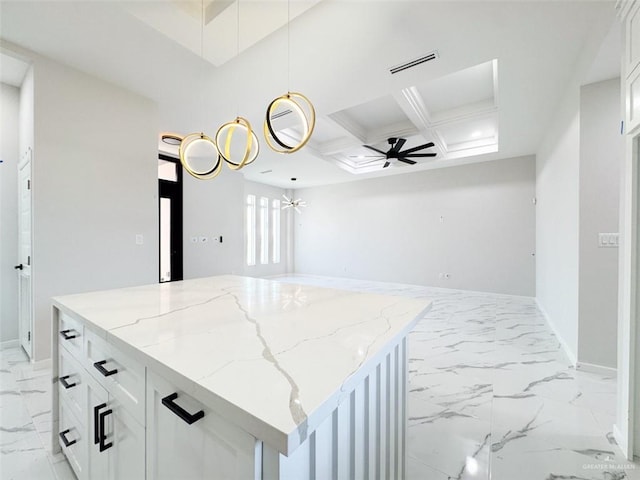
(25, 313)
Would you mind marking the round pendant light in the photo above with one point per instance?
(199, 156)
(171, 138)
(237, 143)
(291, 102)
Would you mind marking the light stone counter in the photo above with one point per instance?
(274, 358)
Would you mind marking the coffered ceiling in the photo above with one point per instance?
(499, 71)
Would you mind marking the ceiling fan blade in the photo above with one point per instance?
(419, 147)
(386, 164)
(420, 155)
(366, 156)
(375, 150)
(410, 162)
(398, 145)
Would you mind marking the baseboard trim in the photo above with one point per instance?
(42, 364)
(9, 344)
(599, 369)
(567, 350)
(622, 442)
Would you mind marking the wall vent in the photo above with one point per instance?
(418, 61)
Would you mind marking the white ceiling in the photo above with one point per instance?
(12, 70)
(340, 55)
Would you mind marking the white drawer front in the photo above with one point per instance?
(71, 382)
(119, 374)
(70, 334)
(75, 447)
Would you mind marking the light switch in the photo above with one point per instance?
(608, 240)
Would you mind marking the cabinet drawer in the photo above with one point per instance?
(119, 374)
(71, 382)
(70, 334)
(72, 438)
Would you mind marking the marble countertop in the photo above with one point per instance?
(274, 358)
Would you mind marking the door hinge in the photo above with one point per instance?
(29, 260)
(28, 184)
(28, 336)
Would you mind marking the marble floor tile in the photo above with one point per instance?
(491, 396)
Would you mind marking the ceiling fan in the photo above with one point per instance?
(396, 152)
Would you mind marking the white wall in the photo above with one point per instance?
(94, 188)
(215, 208)
(601, 150)
(557, 181)
(9, 154)
(389, 229)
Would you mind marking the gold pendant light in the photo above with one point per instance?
(198, 153)
(225, 139)
(228, 133)
(196, 150)
(291, 102)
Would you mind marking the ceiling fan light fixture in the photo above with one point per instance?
(298, 103)
(188, 156)
(224, 139)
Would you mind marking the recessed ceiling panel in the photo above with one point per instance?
(376, 114)
(471, 88)
(468, 135)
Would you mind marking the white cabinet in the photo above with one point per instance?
(186, 440)
(100, 406)
(631, 64)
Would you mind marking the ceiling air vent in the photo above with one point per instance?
(425, 58)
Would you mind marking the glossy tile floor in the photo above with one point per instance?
(25, 421)
(492, 396)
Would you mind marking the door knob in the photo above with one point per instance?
(19, 267)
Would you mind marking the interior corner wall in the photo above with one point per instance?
(9, 156)
(95, 186)
(601, 155)
(475, 223)
(557, 233)
(214, 209)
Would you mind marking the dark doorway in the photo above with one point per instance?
(170, 214)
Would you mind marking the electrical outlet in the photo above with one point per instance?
(139, 239)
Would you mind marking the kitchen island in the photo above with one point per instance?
(232, 377)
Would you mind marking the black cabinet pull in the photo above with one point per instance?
(63, 436)
(104, 371)
(103, 436)
(181, 412)
(68, 335)
(96, 423)
(65, 384)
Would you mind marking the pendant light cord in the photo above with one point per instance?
(288, 46)
(203, 71)
(237, 57)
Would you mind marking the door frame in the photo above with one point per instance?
(174, 191)
(25, 328)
